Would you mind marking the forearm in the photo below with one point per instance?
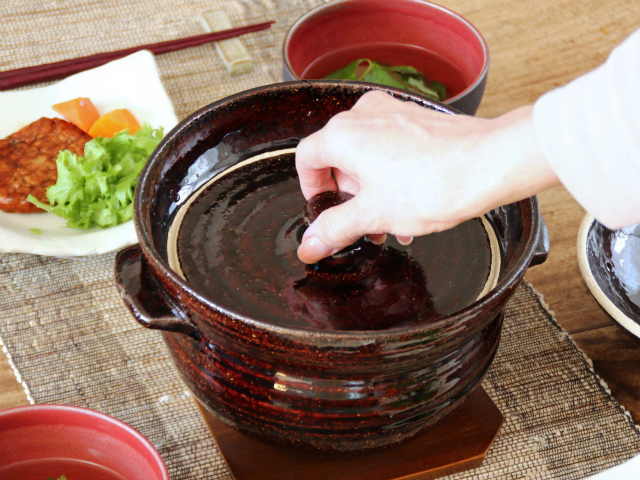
(520, 169)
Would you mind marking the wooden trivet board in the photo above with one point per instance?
(456, 443)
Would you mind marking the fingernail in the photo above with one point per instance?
(312, 249)
(404, 240)
(377, 239)
(309, 232)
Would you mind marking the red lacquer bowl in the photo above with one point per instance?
(47, 441)
(438, 42)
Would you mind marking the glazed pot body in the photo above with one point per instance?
(327, 399)
(327, 390)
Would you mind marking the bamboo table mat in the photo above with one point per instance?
(71, 340)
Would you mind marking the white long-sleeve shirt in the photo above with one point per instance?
(589, 131)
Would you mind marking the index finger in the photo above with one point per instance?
(314, 172)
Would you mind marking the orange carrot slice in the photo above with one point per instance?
(79, 111)
(114, 122)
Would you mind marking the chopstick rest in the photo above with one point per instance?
(232, 51)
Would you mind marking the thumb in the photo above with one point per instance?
(334, 229)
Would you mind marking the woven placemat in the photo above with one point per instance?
(71, 340)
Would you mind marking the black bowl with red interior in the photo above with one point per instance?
(343, 389)
(438, 42)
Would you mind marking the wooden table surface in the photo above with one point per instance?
(537, 45)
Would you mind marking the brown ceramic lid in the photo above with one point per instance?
(237, 245)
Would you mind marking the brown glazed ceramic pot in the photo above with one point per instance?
(325, 390)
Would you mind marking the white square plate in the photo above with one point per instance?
(131, 82)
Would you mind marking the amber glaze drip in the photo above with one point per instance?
(237, 245)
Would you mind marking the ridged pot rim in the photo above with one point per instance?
(494, 299)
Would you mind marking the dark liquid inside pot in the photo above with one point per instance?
(236, 244)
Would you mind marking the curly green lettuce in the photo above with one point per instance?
(97, 190)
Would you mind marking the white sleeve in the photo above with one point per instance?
(589, 131)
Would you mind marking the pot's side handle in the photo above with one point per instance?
(142, 295)
(542, 248)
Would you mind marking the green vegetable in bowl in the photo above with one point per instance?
(61, 478)
(404, 77)
(97, 190)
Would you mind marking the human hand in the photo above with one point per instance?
(414, 171)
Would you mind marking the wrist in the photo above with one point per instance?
(513, 151)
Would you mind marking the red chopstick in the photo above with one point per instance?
(52, 71)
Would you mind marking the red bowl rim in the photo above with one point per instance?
(87, 412)
(485, 48)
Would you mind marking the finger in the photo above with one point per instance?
(377, 102)
(333, 230)
(320, 152)
(314, 175)
(345, 182)
(402, 240)
(377, 238)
